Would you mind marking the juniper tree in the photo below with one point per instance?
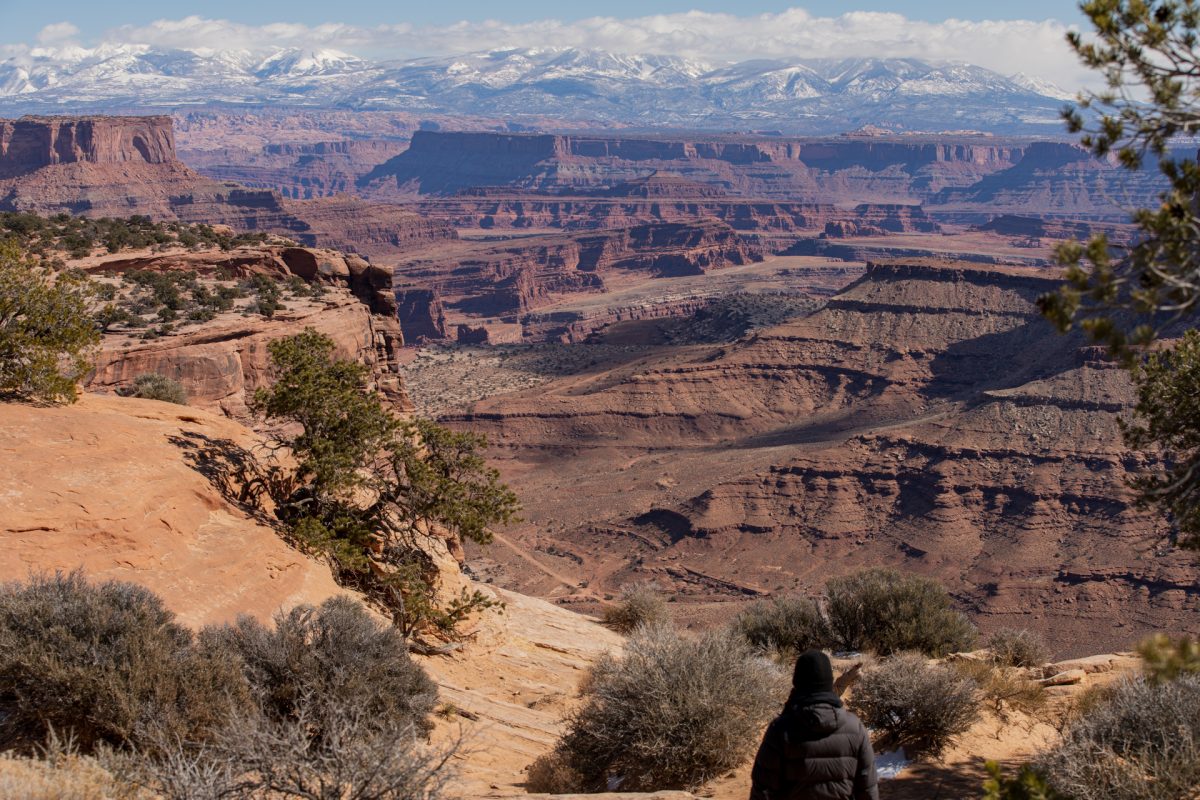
(1127, 298)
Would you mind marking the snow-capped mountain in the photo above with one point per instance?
(798, 95)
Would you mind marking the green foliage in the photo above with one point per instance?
(46, 329)
(637, 605)
(1168, 415)
(1146, 51)
(918, 704)
(152, 386)
(1167, 659)
(784, 626)
(671, 712)
(345, 426)
(441, 476)
(105, 664)
(367, 485)
(79, 236)
(1028, 784)
(884, 611)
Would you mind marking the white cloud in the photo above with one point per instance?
(1034, 48)
(57, 33)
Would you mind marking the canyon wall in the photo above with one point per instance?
(772, 167)
(30, 143)
(516, 276)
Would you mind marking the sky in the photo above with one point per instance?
(1012, 36)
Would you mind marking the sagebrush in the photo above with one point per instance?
(885, 612)
(916, 703)
(1140, 742)
(637, 605)
(783, 626)
(670, 713)
(105, 663)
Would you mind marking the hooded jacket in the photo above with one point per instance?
(815, 749)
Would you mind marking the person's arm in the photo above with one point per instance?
(866, 780)
(766, 778)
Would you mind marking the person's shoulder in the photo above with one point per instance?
(850, 723)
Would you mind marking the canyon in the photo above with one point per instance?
(778, 358)
(924, 418)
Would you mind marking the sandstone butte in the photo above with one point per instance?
(115, 166)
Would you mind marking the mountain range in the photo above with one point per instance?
(582, 86)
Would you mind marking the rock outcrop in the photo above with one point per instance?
(488, 279)
(30, 143)
(223, 362)
(297, 170)
(900, 170)
(961, 178)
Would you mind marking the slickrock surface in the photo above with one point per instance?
(516, 677)
(116, 486)
(926, 418)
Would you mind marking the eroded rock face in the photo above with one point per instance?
(926, 418)
(30, 143)
(223, 362)
(443, 163)
(512, 277)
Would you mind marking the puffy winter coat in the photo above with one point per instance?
(815, 752)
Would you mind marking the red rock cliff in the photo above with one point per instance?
(31, 143)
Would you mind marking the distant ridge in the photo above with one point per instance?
(794, 96)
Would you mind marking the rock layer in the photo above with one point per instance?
(513, 277)
(117, 487)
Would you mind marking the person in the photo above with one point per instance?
(815, 749)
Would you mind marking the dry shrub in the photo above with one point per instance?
(69, 777)
(636, 606)
(152, 386)
(1166, 659)
(551, 774)
(885, 612)
(105, 663)
(1017, 648)
(1141, 742)
(325, 660)
(920, 705)
(672, 712)
(1004, 688)
(784, 626)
